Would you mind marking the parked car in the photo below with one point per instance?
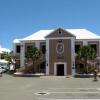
(2, 69)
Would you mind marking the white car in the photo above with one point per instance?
(2, 70)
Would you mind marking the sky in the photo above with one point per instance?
(20, 18)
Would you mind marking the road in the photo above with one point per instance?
(48, 88)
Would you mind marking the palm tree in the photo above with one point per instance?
(34, 54)
(86, 53)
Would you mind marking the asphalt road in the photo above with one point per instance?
(48, 88)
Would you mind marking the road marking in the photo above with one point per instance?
(73, 88)
(52, 99)
(74, 92)
(62, 99)
(78, 93)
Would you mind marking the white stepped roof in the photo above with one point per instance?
(83, 34)
(16, 41)
(40, 35)
(79, 33)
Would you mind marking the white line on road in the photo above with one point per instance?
(53, 99)
(73, 88)
(62, 99)
(74, 92)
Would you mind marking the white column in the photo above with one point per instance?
(22, 55)
(37, 44)
(0, 51)
(55, 69)
(85, 42)
(99, 48)
(73, 55)
(99, 54)
(14, 48)
(47, 56)
(0, 55)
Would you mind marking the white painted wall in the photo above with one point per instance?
(85, 42)
(22, 54)
(37, 44)
(73, 55)
(14, 48)
(99, 53)
(99, 48)
(47, 56)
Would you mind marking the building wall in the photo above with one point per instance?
(66, 56)
(55, 57)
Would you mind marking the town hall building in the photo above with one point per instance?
(58, 48)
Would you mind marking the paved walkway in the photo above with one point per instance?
(48, 88)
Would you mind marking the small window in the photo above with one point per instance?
(77, 47)
(43, 49)
(18, 48)
(42, 65)
(28, 47)
(2, 56)
(94, 46)
(59, 32)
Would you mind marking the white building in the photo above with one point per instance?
(58, 47)
(3, 62)
(2, 51)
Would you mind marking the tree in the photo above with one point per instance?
(86, 53)
(34, 54)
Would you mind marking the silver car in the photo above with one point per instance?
(2, 69)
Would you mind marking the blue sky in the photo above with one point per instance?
(20, 18)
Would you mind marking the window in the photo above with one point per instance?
(18, 48)
(59, 32)
(77, 47)
(43, 49)
(2, 56)
(42, 65)
(28, 47)
(94, 46)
